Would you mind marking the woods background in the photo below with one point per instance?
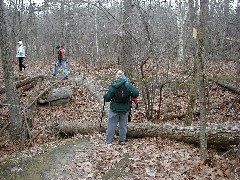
(95, 31)
(164, 46)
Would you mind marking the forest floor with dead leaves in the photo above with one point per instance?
(88, 157)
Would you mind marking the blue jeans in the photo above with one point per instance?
(113, 120)
(58, 64)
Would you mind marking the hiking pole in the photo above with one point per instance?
(102, 113)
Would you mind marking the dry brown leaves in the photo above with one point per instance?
(151, 158)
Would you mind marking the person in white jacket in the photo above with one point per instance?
(21, 55)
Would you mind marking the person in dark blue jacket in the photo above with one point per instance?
(118, 113)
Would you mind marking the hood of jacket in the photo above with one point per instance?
(118, 83)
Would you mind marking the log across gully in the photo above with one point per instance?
(220, 137)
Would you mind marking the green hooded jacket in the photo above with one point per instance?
(109, 96)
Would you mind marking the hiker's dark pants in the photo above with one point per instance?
(20, 59)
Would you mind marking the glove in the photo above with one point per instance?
(135, 100)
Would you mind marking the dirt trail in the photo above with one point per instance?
(48, 165)
(56, 163)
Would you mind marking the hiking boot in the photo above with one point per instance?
(122, 143)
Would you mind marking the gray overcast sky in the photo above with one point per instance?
(38, 1)
(41, 1)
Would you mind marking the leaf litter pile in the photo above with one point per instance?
(146, 158)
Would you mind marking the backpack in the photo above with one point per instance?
(122, 94)
(60, 54)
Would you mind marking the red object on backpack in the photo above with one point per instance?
(133, 100)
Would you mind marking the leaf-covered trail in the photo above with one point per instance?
(148, 158)
(88, 157)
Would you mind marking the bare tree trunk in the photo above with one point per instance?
(32, 35)
(96, 33)
(181, 19)
(225, 23)
(192, 91)
(62, 21)
(127, 40)
(213, 28)
(192, 99)
(11, 92)
(146, 95)
(237, 22)
(20, 30)
(200, 77)
(191, 104)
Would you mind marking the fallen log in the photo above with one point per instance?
(221, 137)
(225, 86)
(28, 80)
(29, 86)
(42, 93)
(4, 127)
(24, 82)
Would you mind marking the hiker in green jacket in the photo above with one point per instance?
(119, 108)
